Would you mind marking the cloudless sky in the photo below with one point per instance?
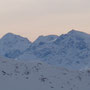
(31, 18)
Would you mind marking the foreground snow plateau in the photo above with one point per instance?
(21, 75)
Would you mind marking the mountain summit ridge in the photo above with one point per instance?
(67, 50)
(50, 63)
(12, 45)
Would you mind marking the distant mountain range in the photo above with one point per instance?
(71, 50)
(49, 63)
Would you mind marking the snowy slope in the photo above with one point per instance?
(45, 39)
(20, 75)
(38, 43)
(12, 45)
(68, 50)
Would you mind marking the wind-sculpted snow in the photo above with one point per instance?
(36, 75)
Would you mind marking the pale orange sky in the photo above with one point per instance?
(31, 18)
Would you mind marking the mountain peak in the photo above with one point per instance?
(12, 45)
(76, 32)
(10, 35)
(73, 31)
(46, 39)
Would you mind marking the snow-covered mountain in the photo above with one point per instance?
(12, 46)
(49, 63)
(45, 39)
(40, 42)
(21, 75)
(71, 50)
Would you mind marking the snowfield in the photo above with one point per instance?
(20, 75)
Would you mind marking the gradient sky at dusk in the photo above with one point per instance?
(31, 18)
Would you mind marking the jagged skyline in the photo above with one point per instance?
(31, 18)
(32, 39)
